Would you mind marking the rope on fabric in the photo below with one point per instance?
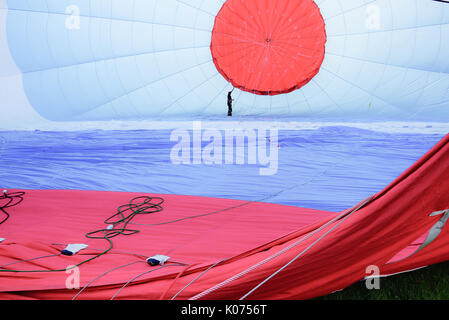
(142, 205)
(344, 215)
(13, 199)
(103, 274)
(124, 216)
(142, 274)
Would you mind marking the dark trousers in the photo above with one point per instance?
(229, 110)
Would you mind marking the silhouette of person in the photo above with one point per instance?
(230, 103)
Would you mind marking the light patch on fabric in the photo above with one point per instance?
(75, 248)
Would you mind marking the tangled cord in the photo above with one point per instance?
(13, 199)
(142, 205)
(146, 206)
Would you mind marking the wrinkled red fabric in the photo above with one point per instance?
(327, 251)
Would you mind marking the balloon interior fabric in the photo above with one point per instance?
(203, 248)
(105, 60)
(150, 59)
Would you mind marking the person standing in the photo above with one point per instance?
(230, 100)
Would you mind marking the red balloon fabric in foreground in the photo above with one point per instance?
(268, 47)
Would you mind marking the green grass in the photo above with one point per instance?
(431, 283)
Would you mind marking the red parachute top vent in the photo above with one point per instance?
(268, 47)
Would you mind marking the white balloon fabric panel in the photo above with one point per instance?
(146, 59)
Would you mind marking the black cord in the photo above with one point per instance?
(13, 199)
(119, 221)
